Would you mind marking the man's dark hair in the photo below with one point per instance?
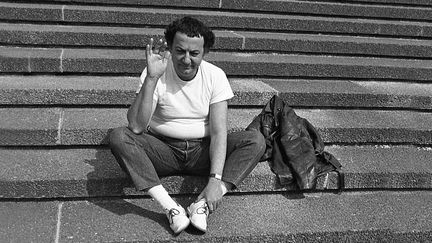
(192, 28)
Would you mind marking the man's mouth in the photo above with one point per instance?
(187, 68)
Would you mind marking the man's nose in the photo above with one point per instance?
(186, 58)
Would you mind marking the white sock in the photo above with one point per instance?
(161, 196)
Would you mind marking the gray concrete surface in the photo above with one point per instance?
(279, 5)
(363, 9)
(28, 222)
(93, 172)
(90, 126)
(133, 38)
(353, 217)
(29, 126)
(120, 91)
(159, 17)
(110, 61)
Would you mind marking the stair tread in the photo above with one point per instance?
(277, 5)
(308, 217)
(89, 126)
(105, 90)
(128, 37)
(362, 10)
(83, 172)
(103, 15)
(402, 2)
(37, 60)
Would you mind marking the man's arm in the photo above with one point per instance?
(139, 113)
(218, 132)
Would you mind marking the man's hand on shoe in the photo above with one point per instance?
(212, 193)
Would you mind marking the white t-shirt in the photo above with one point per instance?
(181, 108)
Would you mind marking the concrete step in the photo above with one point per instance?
(89, 126)
(120, 91)
(312, 217)
(279, 5)
(103, 61)
(157, 17)
(93, 172)
(396, 2)
(363, 9)
(367, 54)
(104, 91)
(133, 38)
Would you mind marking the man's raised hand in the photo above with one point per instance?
(157, 57)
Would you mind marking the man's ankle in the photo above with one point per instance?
(160, 195)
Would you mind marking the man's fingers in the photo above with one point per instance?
(200, 196)
(148, 51)
(167, 54)
(149, 47)
(151, 44)
(158, 47)
(211, 207)
(163, 47)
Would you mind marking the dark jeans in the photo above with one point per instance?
(145, 157)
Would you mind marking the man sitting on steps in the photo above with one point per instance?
(178, 125)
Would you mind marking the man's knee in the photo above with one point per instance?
(252, 139)
(257, 139)
(117, 136)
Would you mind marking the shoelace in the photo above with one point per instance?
(172, 212)
(202, 209)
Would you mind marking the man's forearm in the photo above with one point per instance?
(218, 133)
(139, 113)
(218, 146)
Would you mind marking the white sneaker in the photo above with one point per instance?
(178, 219)
(198, 213)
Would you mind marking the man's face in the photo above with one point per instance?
(187, 54)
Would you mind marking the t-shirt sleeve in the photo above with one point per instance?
(221, 87)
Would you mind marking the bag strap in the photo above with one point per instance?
(327, 157)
